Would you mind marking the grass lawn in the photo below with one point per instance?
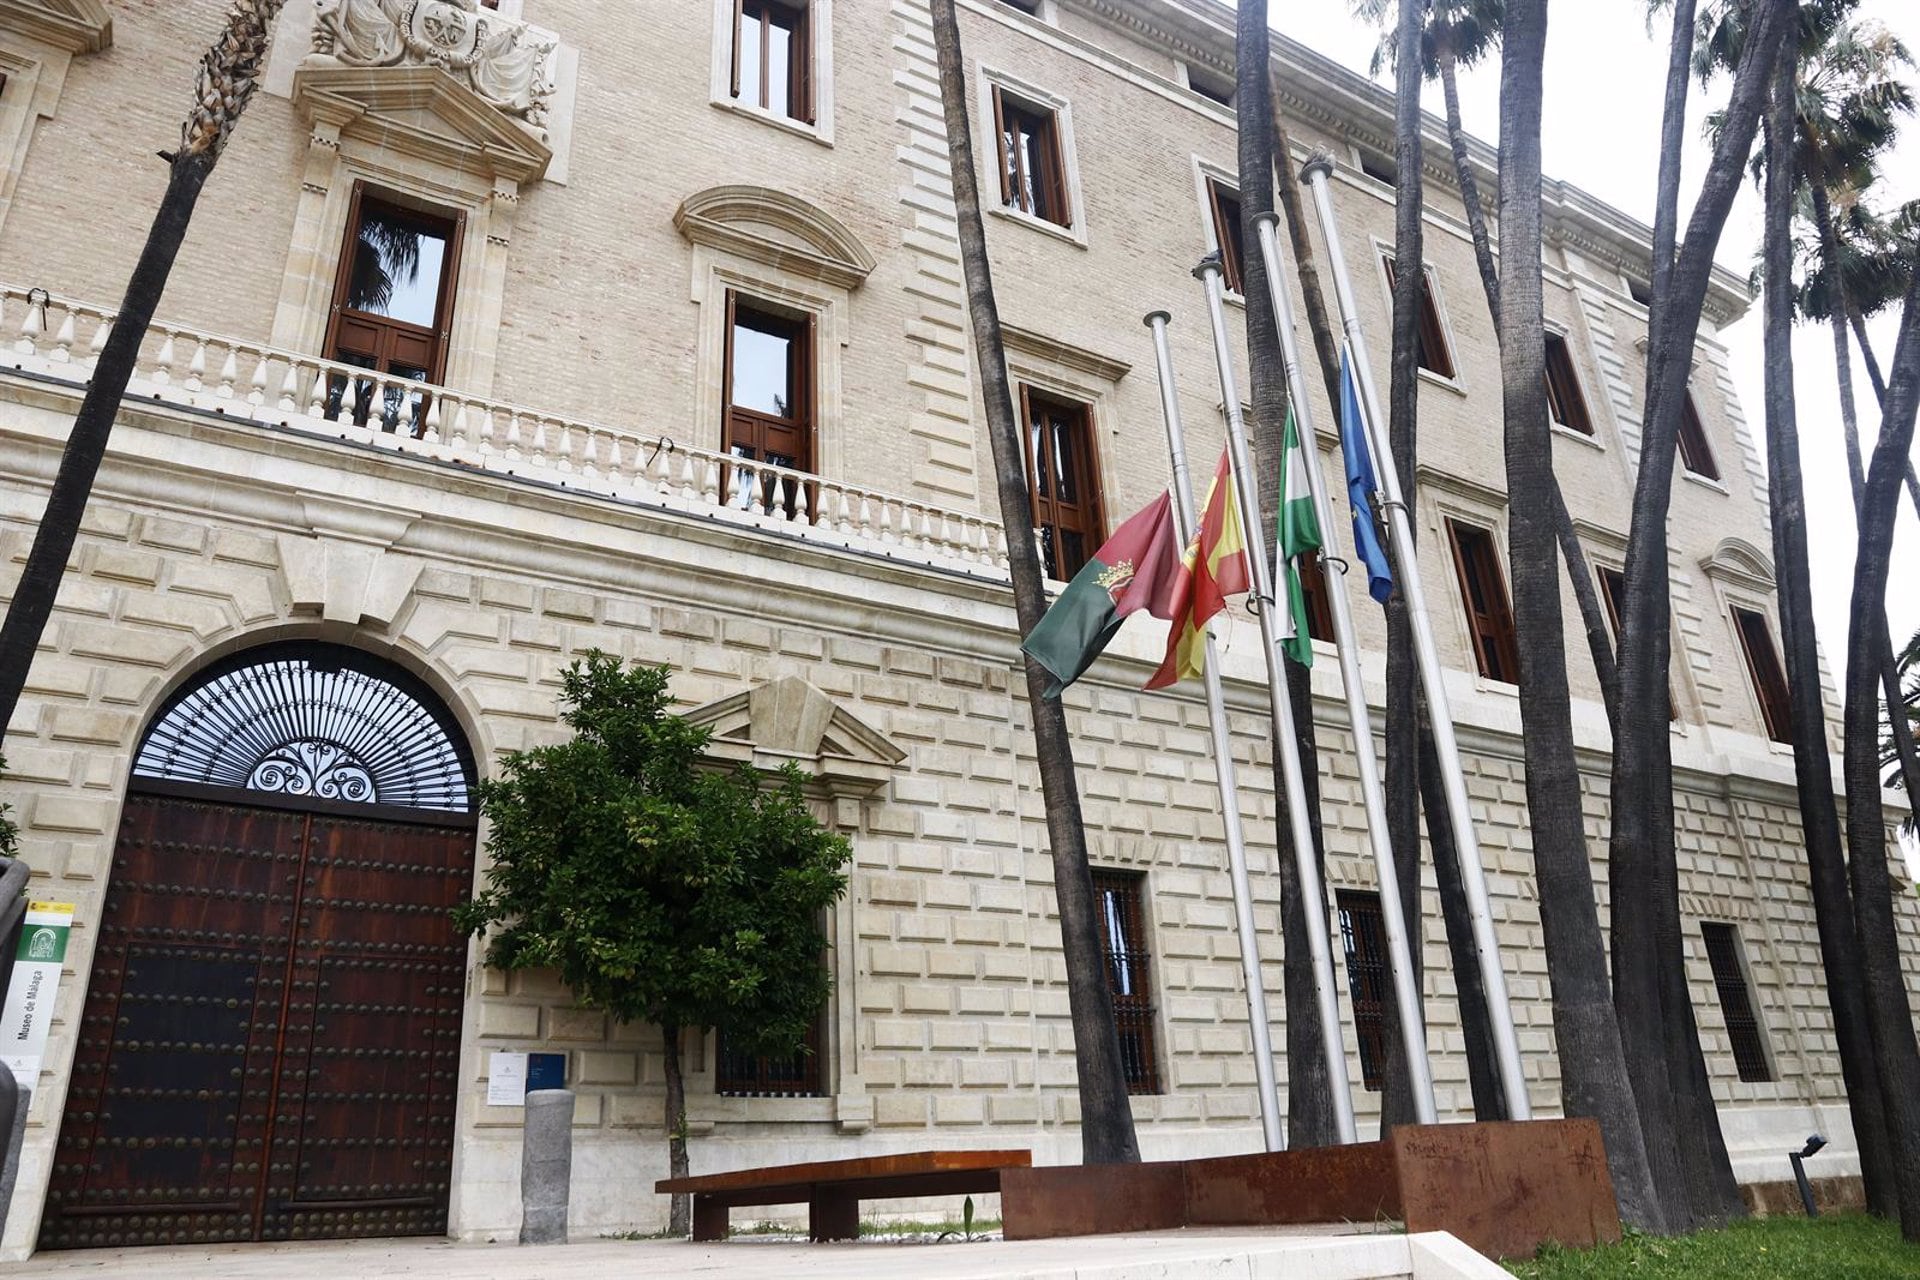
(1841, 1247)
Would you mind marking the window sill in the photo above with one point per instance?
(1487, 684)
(1703, 481)
(816, 133)
(1072, 235)
(1565, 432)
(1452, 384)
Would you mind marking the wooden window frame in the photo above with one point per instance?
(1491, 634)
(438, 337)
(1726, 956)
(1566, 402)
(1313, 584)
(1695, 449)
(1091, 525)
(1226, 232)
(1363, 938)
(1134, 1011)
(1613, 590)
(755, 425)
(1433, 330)
(1050, 187)
(1766, 674)
(799, 106)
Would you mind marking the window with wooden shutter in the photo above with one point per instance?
(1065, 482)
(1120, 899)
(1696, 454)
(773, 56)
(768, 382)
(1433, 354)
(1033, 172)
(1313, 585)
(1223, 206)
(392, 308)
(1564, 400)
(1764, 670)
(1736, 1001)
(1483, 588)
(1613, 593)
(1363, 938)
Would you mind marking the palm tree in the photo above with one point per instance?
(1651, 999)
(229, 74)
(1592, 1059)
(1106, 1114)
(1310, 1114)
(1813, 766)
(1459, 34)
(1892, 1017)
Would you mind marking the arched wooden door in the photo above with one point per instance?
(271, 1037)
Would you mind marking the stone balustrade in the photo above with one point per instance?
(250, 383)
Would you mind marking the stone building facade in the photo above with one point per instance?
(622, 212)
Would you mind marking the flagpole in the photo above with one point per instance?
(1313, 897)
(1359, 718)
(1184, 524)
(1318, 169)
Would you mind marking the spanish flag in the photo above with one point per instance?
(1214, 567)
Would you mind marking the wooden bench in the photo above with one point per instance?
(833, 1189)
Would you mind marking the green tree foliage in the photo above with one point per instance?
(660, 891)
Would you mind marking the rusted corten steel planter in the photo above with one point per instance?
(1504, 1189)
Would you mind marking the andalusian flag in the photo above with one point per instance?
(1299, 535)
(1137, 568)
(1215, 567)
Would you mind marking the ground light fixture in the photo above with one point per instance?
(1814, 1143)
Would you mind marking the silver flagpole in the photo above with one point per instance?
(1486, 946)
(1359, 719)
(1313, 896)
(1185, 520)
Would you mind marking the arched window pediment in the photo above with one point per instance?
(780, 230)
(312, 721)
(1739, 563)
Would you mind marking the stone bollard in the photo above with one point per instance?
(546, 1167)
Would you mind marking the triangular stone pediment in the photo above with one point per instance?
(422, 111)
(78, 26)
(789, 721)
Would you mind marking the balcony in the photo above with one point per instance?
(263, 388)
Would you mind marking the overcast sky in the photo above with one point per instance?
(1604, 81)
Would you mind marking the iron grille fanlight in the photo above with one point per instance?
(310, 720)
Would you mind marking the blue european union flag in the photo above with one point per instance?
(1361, 485)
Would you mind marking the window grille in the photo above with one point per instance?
(737, 1074)
(1736, 1004)
(1120, 898)
(1363, 935)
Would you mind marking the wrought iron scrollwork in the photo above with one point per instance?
(311, 720)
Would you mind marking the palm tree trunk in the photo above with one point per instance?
(1859, 326)
(1470, 988)
(1812, 761)
(1891, 1016)
(1593, 616)
(1106, 1115)
(1648, 954)
(1404, 705)
(228, 75)
(1326, 347)
(678, 1219)
(1594, 1080)
(1310, 1117)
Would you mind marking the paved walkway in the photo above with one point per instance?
(1176, 1255)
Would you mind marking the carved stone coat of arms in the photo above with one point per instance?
(507, 63)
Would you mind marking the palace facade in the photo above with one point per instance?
(512, 328)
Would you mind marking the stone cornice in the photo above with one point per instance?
(1316, 89)
(78, 26)
(1039, 346)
